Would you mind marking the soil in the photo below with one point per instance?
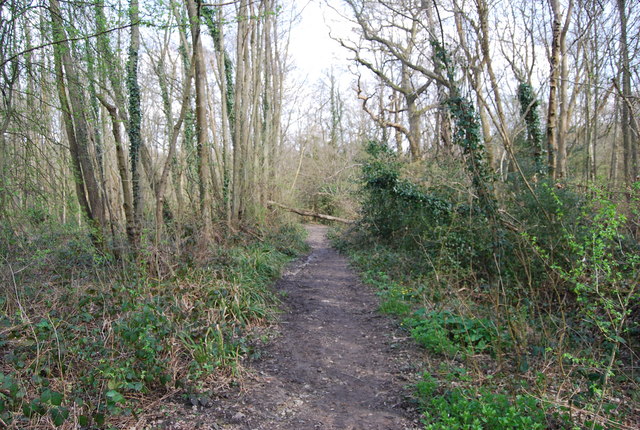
(337, 363)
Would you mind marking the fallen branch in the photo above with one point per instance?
(309, 213)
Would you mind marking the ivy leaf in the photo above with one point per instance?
(59, 415)
(83, 420)
(114, 396)
(56, 398)
(45, 397)
(28, 410)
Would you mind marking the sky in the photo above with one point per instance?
(313, 51)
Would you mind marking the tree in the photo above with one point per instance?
(202, 124)
(397, 47)
(135, 120)
(77, 129)
(556, 122)
(628, 120)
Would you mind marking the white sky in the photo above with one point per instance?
(313, 52)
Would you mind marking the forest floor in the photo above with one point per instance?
(336, 363)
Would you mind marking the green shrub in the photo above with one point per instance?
(392, 207)
(430, 221)
(555, 269)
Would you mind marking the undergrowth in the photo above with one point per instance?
(471, 408)
(88, 342)
(463, 395)
(533, 308)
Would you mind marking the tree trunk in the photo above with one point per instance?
(630, 149)
(565, 106)
(552, 109)
(242, 115)
(123, 170)
(173, 139)
(310, 213)
(193, 9)
(227, 90)
(413, 113)
(135, 121)
(77, 128)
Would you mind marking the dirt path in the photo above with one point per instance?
(338, 363)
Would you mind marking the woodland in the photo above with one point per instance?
(477, 159)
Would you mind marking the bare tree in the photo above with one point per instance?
(202, 124)
(72, 101)
(628, 120)
(399, 48)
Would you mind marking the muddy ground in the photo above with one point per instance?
(337, 363)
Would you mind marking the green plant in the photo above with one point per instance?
(481, 409)
(603, 274)
(211, 351)
(529, 109)
(12, 399)
(394, 208)
(604, 278)
(445, 332)
(89, 342)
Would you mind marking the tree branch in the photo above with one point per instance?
(303, 212)
(56, 42)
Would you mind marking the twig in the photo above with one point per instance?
(70, 39)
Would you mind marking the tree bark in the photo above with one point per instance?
(242, 114)
(630, 149)
(564, 104)
(193, 9)
(135, 121)
(123, 169)
(77, 128)
(552, 109)
(310, 213)
(227, 90)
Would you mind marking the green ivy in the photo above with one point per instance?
(529, 108)
(391, 203)
(467, 134)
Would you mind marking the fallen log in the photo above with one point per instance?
(309, 213)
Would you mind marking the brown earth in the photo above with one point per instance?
(336, 364)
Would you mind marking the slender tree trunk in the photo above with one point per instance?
(415, 132)
(123, 170)
(76, 127)
(590, 160)
(227, 90)
(119, 113)
(193, 9)
(242, 116)
(173, 139)
(475, 76)
(268, 106)
(135, 121)
(443, 121)
(274, 68)
(630, 149)
(255, 139)
(565, 106)
(552, 109)
(615, 149)
(396, 119)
